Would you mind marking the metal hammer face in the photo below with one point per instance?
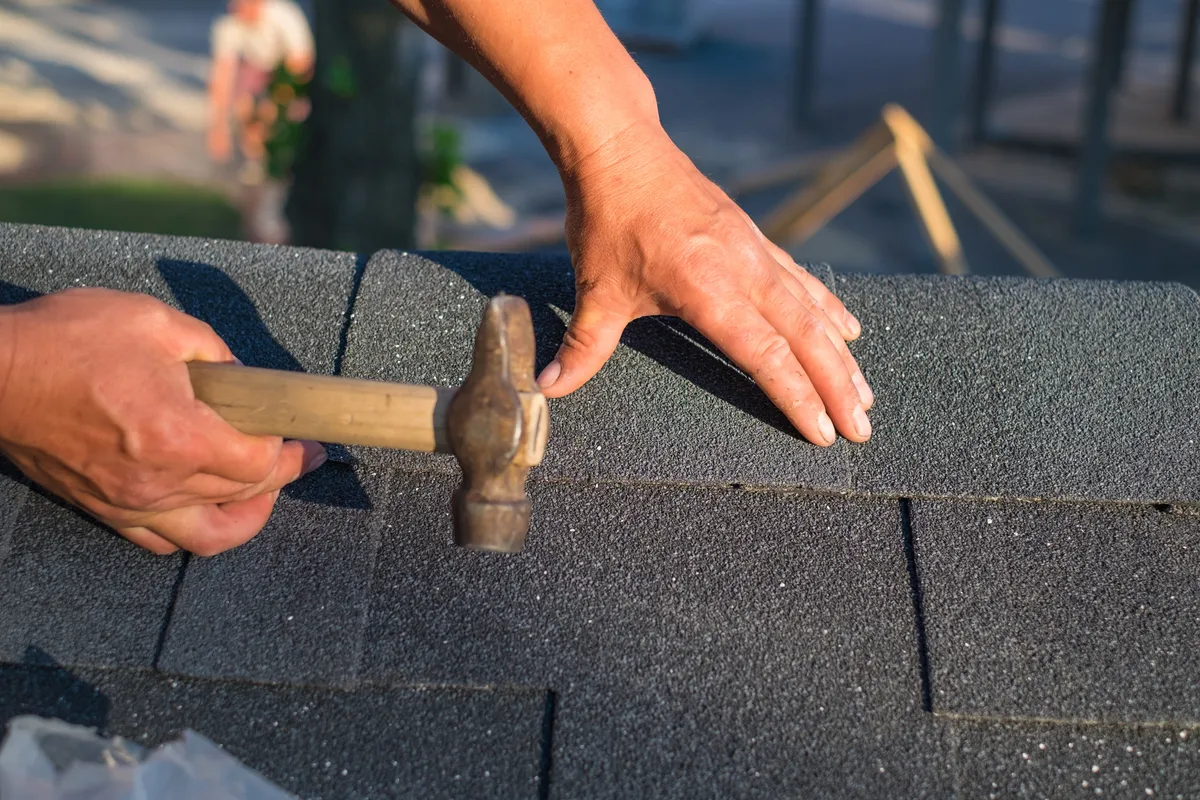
(497, 424)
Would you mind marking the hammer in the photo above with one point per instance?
(496, 424)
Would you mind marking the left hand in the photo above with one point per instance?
(649, 234)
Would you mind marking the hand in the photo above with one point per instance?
(96, 405)
(649, 234)
(220, 143)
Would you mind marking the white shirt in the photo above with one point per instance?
(281, 32)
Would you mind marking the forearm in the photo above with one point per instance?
(556, 61)
(220, 91)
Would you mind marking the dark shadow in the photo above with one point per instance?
(918, 601)
(207, 293)
(11, 294)
(546, 281)
(9, 470)
(40, 686)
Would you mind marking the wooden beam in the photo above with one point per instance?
(837, 186)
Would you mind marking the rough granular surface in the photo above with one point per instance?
(995, 597)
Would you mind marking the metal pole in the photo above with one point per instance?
(1093, 149)
(1183, 67)
(947, 44)
(808, 20)
(983, 71)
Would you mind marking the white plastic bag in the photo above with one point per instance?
(46, 759)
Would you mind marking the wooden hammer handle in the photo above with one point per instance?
(266, 402)
(295, 405)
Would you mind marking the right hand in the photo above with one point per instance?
(97, 406)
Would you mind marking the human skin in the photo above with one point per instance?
(223, 105)
(648, 233)
(96, 406)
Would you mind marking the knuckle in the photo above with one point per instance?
(133, 495)
(772, 353)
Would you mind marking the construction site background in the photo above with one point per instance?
(115, 90)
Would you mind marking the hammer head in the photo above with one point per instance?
(497, 424)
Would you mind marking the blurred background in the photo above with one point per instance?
(1072, 116)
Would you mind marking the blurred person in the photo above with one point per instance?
(262, 52)
(95, 401)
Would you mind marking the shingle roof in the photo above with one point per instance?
(995, 596)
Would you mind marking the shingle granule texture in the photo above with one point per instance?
(248, 293)
(241, 613)
(372, 742)
(1063, 611)
(74, 590)
(702, 641)
(996, 387)
(995, 597)
(665, 408)
(1035, 760)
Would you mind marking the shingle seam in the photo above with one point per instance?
(954, 717)
(918, 601)
(361, 261)
(546, 761)
(1177, 507)
(170, 612)
(375, 535)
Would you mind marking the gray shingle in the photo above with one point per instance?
(373, 742)
(1003, 760)
(1059, 610)
(694, 637)
(289, 605)
(995, 387)
(664, 409)
(78, 592)
(276, 307)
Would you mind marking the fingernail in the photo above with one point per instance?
(852, 325)
(315, 459)
(238, 361)
(550, 374)
(826, 426)
(861, 424)
(864, 391)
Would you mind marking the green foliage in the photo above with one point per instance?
(441, 153)
(338, 78)
(123, 205)
(288, 132)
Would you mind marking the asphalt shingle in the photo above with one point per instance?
(372, 742)
(1031, 759)
(276, 307)
(998, 387)
(667, 631)
(664, 409)
(1058, 610)
(290, 605)
(699, 641)
(75, 590)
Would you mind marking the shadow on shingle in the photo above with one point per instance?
(684, 351)
(10, 294)
(9, 470)
(41, 686)
(207, 293)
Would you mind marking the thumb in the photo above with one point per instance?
(590, 340)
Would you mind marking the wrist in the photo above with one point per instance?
(585, 104)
